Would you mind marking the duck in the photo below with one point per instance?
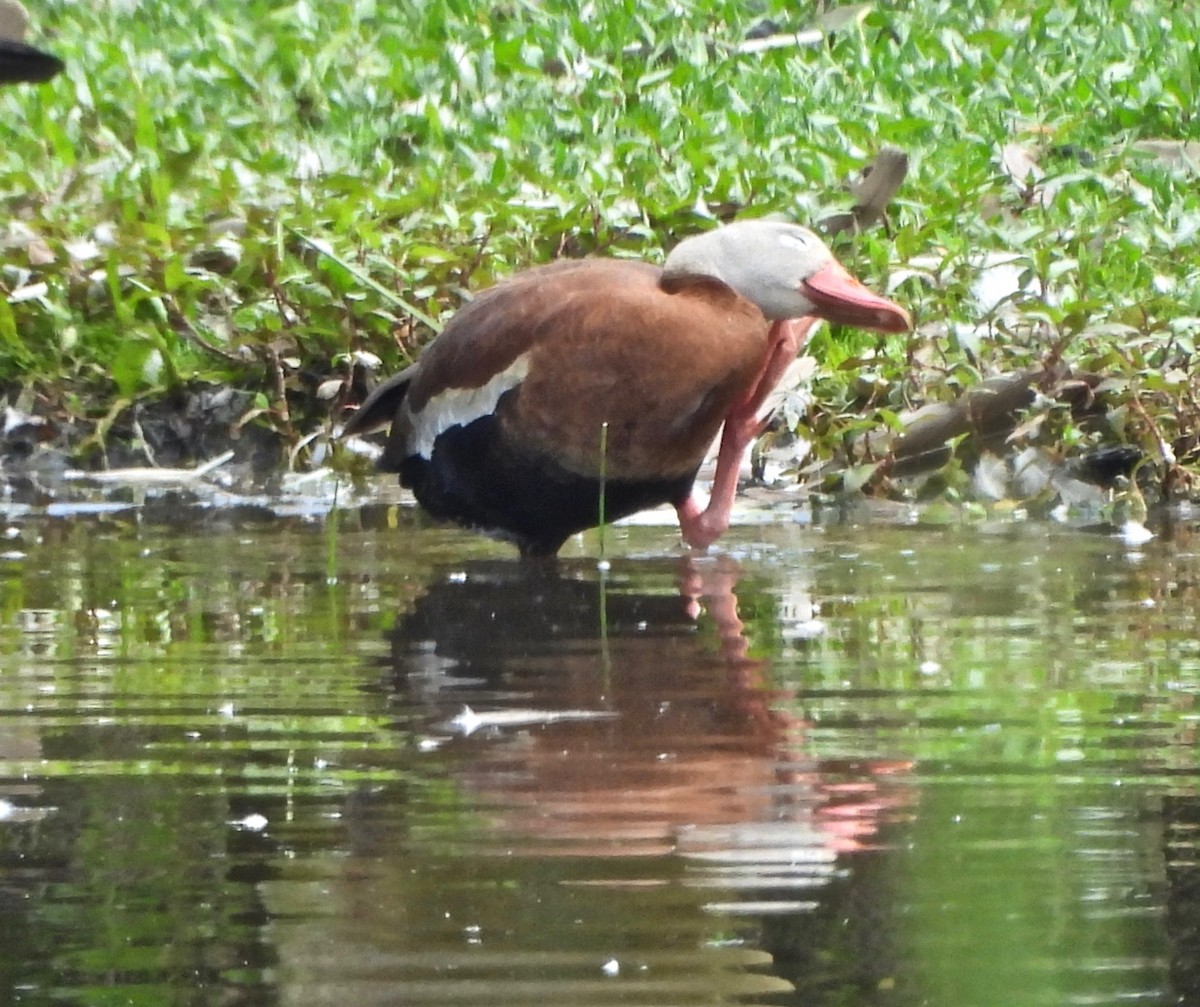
(611, 378)
(19, 62)
(24, 64)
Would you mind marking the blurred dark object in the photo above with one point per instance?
(21, 63)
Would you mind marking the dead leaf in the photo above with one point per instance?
(990, 477)
(40, 253)
(879, 182)
(30, 292)
(82, 250)
(329, 389)
(872, 191)
(840, 18)
(1019, 163)
(857, 476)
(1172, 153)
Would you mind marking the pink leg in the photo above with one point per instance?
(701, 528)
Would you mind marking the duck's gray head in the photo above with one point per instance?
(787, 271)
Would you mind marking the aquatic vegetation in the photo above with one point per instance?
(165, 200)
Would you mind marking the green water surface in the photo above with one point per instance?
(252, 759)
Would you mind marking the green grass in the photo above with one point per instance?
(159, 201)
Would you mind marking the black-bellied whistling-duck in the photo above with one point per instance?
(498, 425)
(21, 63)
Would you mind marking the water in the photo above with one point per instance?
(252, 759)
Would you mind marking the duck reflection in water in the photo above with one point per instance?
(627, 715)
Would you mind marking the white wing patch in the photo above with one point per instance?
(460, 406)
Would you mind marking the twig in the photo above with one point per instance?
(285, 414)
(143, 476)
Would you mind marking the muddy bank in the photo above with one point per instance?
(186, 428)
(997, 444)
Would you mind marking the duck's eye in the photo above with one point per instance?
(791, 240)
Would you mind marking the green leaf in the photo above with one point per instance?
(135, 365)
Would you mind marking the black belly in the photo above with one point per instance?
(478, 478)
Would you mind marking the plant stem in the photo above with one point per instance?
(603, 483)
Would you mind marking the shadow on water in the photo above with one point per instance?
(878, 765)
